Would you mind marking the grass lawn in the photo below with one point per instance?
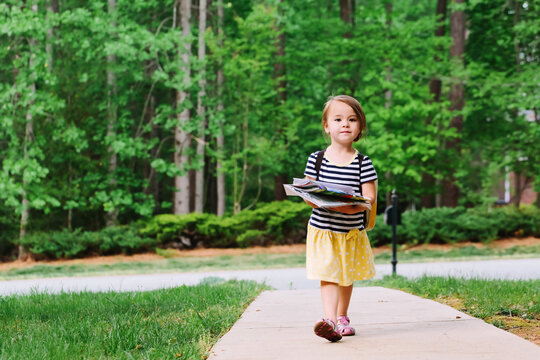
(513, 305)
(254, 261)
(182, 323)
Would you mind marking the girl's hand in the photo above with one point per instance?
(351, 209)
(311, 204)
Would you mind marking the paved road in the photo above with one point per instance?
(281, 279)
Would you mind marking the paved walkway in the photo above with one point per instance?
(390, 324)
(281, 279)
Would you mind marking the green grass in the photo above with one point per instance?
(463, 253)
(181, 323)
(480, 298)
(254, 261)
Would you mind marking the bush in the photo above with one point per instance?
(281, 222)
(70, 244)
(177, 230)
(55, 245)
(450, 225)
(122, 239)
(271, 223)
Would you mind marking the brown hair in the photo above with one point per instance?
(354, 104)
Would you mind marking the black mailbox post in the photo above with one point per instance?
(393, 217)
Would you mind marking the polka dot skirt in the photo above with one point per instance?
(338, 257)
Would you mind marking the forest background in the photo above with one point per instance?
(113, 111)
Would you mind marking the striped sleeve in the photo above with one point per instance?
(310, 166)
(368, 171)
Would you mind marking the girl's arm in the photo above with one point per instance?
(368, 190)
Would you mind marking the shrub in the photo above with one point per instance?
(270, 223)
(279, 223)
(176, 229)
(122, 239)
(513, 221)
(56, 244)
(76, 243)
(450, 225)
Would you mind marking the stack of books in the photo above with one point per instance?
(325, 194)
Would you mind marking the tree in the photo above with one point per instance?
(221, 191)
(112, 214)
(435, 87)
(28, 139)
(182, 135)
(457, 98)
(281, 98)
(199, 182)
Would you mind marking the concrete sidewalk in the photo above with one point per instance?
(390, 324)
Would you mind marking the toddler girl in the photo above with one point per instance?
(337, 247)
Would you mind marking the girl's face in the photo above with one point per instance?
(342, 123)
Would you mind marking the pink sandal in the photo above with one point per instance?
(343, 327)
(326, 328)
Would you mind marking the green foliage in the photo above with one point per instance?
(281, 222)
(70, 244)
(61, 165)
(167, 227)
(451, 225)
(277, 222)
(56, 244)
(124, 239)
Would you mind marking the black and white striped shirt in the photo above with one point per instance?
(344, 175)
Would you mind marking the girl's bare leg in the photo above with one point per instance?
(330, 298)
(344, 299)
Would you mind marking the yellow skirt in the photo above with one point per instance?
(338, 257)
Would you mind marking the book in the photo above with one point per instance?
(325, 194)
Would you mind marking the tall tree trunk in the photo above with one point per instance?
(149, 112)
(239, 193)
(199, 174)
(517, 188)
(457, 100)
(346, 14)
(28, 139)
(435, 86)
(221, 194)
(388, 93)
(182, 138)
(52, 8)
(517, 175)
(111, 216)
(210, 185)
(281, 84)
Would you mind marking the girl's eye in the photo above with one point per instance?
(352, 119)
(338, 119)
